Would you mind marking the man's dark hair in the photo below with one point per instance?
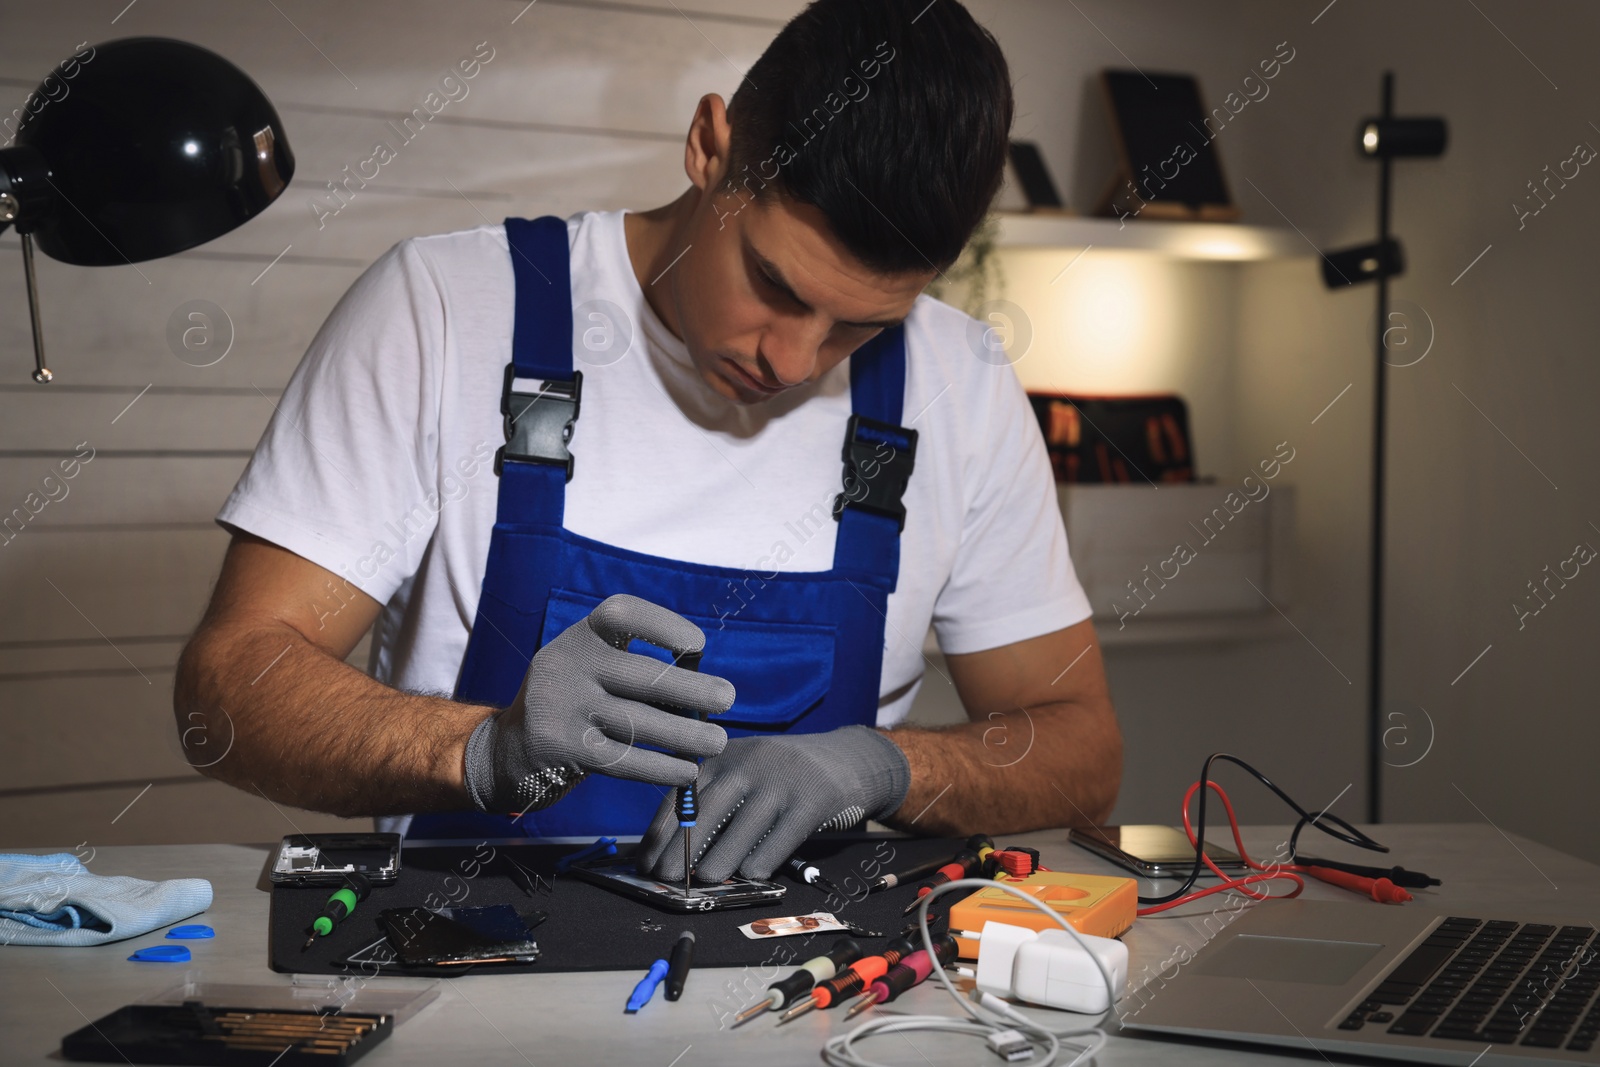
(892, 117)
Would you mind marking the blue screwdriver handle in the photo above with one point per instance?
(688, 803)
(688, 807)
(688, 797)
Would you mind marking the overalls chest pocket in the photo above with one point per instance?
(780, 670)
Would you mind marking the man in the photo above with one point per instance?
(696, 578)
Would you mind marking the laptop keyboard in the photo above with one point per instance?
(1493, 983)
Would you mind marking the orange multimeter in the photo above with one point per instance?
(1097, 904)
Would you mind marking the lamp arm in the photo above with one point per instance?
(41, 373)
(24, 203)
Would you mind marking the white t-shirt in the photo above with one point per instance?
(378, 464)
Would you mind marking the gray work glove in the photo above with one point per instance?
(585, 706)
(764, 796)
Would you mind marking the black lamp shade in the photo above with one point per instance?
(1397, 138)
(158, 146)
(1363, 263)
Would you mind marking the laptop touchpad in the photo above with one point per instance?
(1288, 959)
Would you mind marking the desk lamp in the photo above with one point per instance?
(144, 147)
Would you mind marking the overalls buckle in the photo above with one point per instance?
(878, 457)
(539, 424)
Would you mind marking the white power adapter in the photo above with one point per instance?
(1048, 967)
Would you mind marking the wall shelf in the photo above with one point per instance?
(1224, 241)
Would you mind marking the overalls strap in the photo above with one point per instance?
(868, 544)
(541, 395)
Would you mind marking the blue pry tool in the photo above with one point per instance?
(646, 987)
(179, 954)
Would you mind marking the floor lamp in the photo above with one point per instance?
(1385, 139)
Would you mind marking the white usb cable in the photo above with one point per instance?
(988, 1015)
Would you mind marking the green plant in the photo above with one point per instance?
(977, 274)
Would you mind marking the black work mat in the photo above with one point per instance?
(595, 929)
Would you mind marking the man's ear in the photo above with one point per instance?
(705, 152)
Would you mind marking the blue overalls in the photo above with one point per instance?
(803, 649)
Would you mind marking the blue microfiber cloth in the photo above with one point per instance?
(54, 900)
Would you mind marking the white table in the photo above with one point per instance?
(542, 1020)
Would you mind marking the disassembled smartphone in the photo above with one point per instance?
(732, 893)
(327, 859)
(1153, 851)
(434, 937)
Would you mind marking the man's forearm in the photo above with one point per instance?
(1054, 765)
(304, 728)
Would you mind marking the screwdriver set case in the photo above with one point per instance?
(194, 1033)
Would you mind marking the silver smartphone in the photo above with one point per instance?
(1152, 851)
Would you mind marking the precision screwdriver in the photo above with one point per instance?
(965, 865)
(911, 874)
(782, 994)
(983, 845)
(973, 861)
(811, 875)
(858, 974)
(688, 800)
(339, 905)
(678, 964)
(909, 972)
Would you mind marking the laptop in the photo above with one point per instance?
(1388, 981)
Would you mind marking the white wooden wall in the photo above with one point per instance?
(583, 105)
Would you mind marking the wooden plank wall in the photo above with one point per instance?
(582, 105)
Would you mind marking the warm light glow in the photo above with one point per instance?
(1108, 320)
(1176, 240)
(1369, 138)
(1107, 312)
(1221, 249)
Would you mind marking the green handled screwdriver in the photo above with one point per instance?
(339, 905)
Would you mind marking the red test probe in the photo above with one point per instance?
(1380, 889)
